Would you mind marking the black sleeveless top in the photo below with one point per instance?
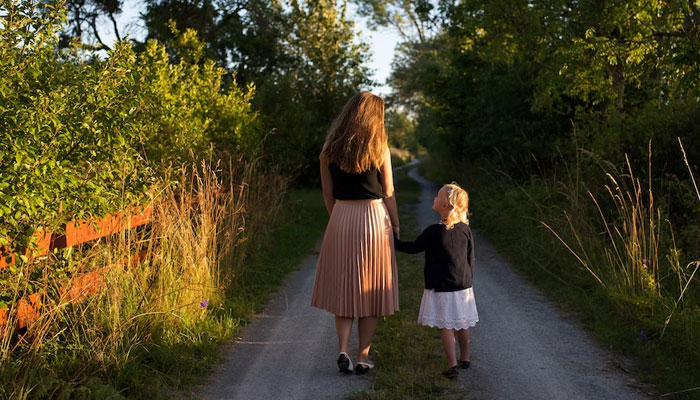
(356, 186)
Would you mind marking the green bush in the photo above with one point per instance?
(84, 137)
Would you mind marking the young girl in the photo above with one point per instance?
(448, 300)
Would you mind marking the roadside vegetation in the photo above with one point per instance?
(564, 121)
(618, 267)
(162, 123)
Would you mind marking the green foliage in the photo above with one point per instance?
(413, 20)
(190, 113)
(517, 89)
(69, 143)
(509, 214)
(401, 131)
(513, 76)
(84, 137)
(522, 86)
(325, 68)
(238, 34)
(304, 58)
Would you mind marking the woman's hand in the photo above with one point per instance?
(395, 228)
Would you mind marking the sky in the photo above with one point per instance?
(382, 42)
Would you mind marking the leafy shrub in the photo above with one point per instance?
(83, 137)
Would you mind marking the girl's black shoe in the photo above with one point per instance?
(344, 363)
(451, 372)
(464, 364)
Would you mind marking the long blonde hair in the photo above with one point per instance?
(356, 141)
(459, 200)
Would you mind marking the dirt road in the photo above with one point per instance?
(524, 347)
(287, 352)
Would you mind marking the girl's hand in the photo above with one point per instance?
(396, 231)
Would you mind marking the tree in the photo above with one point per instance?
(303, 59)
(84, 18)
(323, 69)
(83, 137)
(414, 20)
(241, 35)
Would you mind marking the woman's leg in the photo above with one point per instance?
(365, 329)
(464, 339)
(343, 325)
(448, 344)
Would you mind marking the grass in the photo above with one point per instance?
(407, 195)
(147, 333)
(620, 314)
(300, 224)
(409, 356)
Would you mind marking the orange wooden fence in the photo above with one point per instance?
(28, 309)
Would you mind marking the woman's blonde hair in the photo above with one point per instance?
(459, 200)
(356, 141)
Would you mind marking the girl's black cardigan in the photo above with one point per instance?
(449, 256)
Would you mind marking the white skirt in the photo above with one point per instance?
(448, 310)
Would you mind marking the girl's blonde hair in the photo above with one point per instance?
(356, 141)
(459, 200)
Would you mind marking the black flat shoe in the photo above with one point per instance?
(451, 372)
(464, 364)
(363, 367)
(344, 363)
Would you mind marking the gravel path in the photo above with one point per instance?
(524, 347)
(287, 352)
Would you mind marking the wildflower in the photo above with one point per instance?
(204, 304)
(644, 263)
(642, 336)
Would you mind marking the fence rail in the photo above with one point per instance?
(28, 308)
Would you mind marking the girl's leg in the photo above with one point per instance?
(365, 329)
(343, 325)
(464, 339)
(448, 344)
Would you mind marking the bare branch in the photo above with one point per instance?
(116, 28)
(93, 24)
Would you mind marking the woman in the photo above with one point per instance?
(356, 272)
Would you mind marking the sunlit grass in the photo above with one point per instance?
(154, 325)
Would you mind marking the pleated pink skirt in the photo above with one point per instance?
(356, 271)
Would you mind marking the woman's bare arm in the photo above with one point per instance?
(327, 185)
(389, 194)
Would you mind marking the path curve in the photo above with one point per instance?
(524, 347)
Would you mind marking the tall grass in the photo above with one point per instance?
(613, 222)
(162, 287)
(623, 246)
(629, 265)
(695, 264)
